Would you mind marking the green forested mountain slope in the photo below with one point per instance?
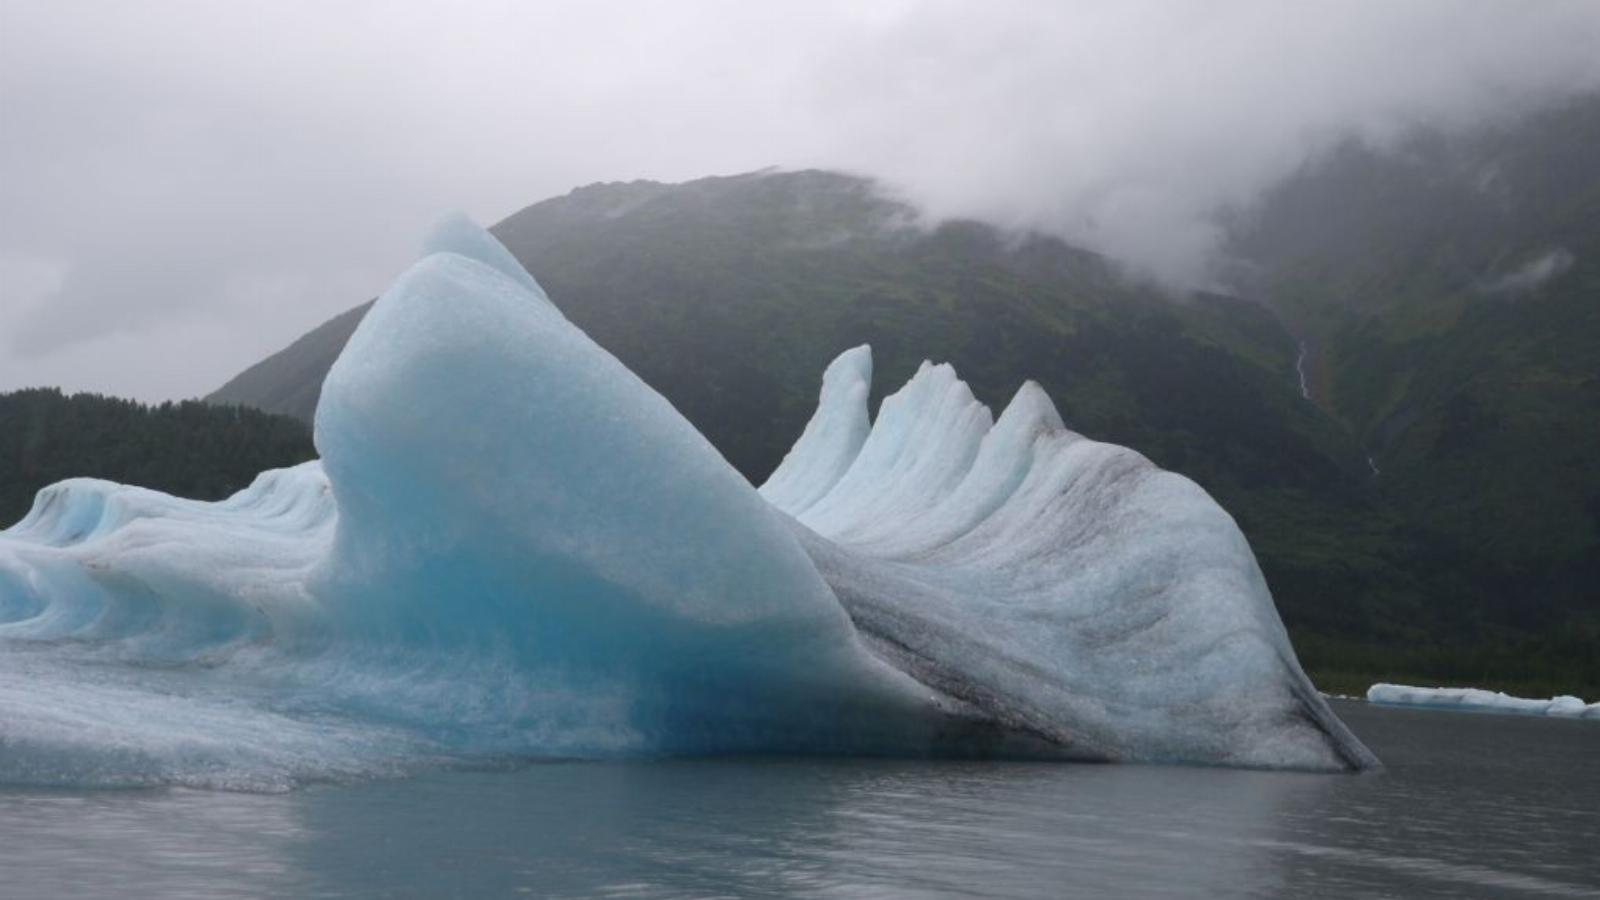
(1451, 295)
(190, 449)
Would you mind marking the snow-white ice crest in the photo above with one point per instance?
(1565, 706)
(513, 547)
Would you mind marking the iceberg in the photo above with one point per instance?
(1478, 700)
(511, 547)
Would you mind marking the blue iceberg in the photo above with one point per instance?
(512, 547)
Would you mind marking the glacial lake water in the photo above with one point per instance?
(1470, 805)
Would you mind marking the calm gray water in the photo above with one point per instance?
(1471, 805)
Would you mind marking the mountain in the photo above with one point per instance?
(290, 381)
(1448, 293)
(728, 295)
(190, 449)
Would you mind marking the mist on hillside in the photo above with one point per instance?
(186, 186)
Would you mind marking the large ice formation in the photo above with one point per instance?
(1477, 700)
(512, 547)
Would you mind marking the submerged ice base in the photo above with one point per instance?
(513, 547)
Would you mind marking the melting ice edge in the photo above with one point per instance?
(512, 547)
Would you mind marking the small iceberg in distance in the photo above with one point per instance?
(514, 548)
(1477, 700)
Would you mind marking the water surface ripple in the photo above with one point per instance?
(1470, 805)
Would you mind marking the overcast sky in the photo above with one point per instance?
(187, 186)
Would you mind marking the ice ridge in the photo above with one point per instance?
(512, 547)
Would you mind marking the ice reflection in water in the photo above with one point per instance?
(1470, 805)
